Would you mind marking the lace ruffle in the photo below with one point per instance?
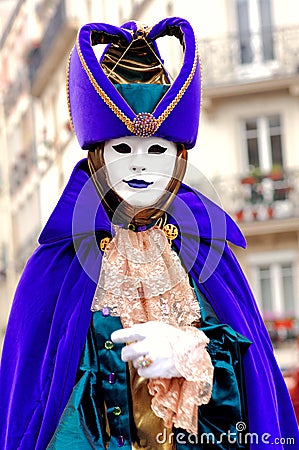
(176, 400)
(142, 279)
(153, 288)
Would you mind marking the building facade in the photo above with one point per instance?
(251, 81)
(246, 158)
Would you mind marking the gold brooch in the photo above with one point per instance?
(104, 243)
(170, 231)
(145, 124)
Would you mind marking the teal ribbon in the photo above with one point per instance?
(142, 97)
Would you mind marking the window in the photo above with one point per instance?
(254, 21)
(276, 289)
(266, 29)
(288, 288)
(273, 277)
(266, 295)
(263, 143)
(273, 280)
(246, 55)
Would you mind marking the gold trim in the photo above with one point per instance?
(170, 231)
(183, 89)
(117, 111)
(102, 94)
(67, 88)
(104, 243)
(119, 60)
(201, 83)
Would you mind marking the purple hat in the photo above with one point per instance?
(131, 68)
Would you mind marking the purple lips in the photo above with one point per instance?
(138, 184)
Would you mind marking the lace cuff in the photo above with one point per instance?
(176, 400)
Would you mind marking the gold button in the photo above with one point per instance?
(117, 411)
(108, 345)
(131, 227)
(104, 243)
(170, 231)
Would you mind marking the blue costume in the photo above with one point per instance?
(59, 370)
(51, 317)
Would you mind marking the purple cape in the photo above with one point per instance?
(51, 315)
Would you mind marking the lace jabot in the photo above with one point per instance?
(142, 279)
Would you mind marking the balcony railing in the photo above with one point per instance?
(260, 197)
(282, 329)
(237, 58)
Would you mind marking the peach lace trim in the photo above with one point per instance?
(142, 279)
(176, 400)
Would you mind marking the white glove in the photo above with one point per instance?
(151, 343)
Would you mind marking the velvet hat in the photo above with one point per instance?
(129, 92)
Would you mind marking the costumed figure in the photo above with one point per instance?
(133, 325)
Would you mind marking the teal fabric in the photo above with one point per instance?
(73, 432)
(82, 425)
(142, 97)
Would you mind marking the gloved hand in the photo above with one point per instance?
(152, 343)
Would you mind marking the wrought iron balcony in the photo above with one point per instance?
(260, 197)
(282, 329)
(58, 37)
(236, 58)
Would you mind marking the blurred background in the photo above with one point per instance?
(248, 145)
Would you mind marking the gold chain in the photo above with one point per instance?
(201, 84)
(118, 61)
(67, 88)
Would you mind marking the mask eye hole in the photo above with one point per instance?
(122, 148)
(156, 149)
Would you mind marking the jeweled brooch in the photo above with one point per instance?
(145, 124)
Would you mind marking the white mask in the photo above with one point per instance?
(139, 169)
